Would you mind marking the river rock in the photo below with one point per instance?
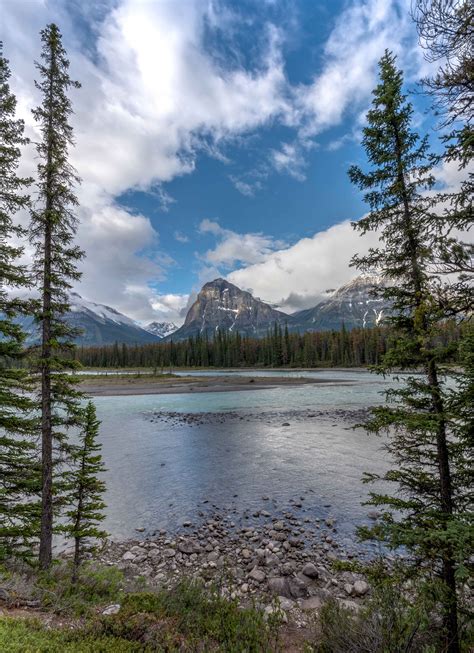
(189, 547)
(312, 603)
(128, 556)
(360, 588)
(257, 574)
(310, 570)
(285, 603)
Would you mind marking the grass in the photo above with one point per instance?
(187, 618)
(31, 636)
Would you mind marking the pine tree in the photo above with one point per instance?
(53, 227)
(84, 490)
(446, 31)
(430, 508)
(18, 455)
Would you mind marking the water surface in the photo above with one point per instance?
(160, 473)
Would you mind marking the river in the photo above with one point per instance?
(171, 458)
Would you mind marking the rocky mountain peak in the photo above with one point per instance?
(222, 305)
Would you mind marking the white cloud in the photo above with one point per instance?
(233, 248)
(289, 159)
(180, 237)
(297, 277)
(154, 96)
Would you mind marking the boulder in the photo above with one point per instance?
(360, 588)
(257, 574)
(310, 570)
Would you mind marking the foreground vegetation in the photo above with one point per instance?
(102, 611)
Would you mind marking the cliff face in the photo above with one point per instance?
(221, 305)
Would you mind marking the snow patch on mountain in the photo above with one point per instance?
(161, 329)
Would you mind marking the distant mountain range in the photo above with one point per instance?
(161, 329)
(220, 305)
(100, 325)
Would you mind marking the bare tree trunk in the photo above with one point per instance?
(446, 495)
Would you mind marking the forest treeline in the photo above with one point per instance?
(279, 348)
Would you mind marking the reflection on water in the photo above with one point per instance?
(158, 473)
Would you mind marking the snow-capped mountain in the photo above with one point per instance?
(161, 329)
(100, 325)
(355, 304)
(221, 305)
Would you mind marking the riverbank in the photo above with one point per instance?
(288, 562)
(123, 385)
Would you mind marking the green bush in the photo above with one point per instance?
(189, 618)
(29, 636)
(389, 623)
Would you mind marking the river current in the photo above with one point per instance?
(170, 458)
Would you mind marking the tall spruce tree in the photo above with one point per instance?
(429, 511)
(84, 490)
(53, 227)
(18, 452)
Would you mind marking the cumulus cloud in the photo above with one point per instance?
(154, 95)
(233, 248)
(298, 276)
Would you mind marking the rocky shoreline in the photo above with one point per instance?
(284, 564)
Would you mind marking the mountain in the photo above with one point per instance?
(161, 329)
(101, 325)
(352, 305)
(221, 305)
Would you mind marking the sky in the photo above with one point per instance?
(213, 139)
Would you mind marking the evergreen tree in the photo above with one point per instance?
(84, 490)
(53, 227)
(18, 455)
(446, 31)
(429, 512)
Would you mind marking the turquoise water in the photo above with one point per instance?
(160, 473)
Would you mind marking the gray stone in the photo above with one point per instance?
(313, 603)
(128, 556)
(286, 603)
(257, 575)
(360, 588)
(111, 609)
(188, 547)
(310, 570)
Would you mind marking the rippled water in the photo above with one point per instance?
(160, 473)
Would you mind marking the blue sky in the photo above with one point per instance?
(213, 138)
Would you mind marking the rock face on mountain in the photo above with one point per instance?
(353, 305)
(100, 325)
(221, 305)
(161, 329)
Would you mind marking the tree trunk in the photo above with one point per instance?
(451, 615)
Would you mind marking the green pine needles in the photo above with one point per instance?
(19, 473)
(83, 490)
(53, 228)
(427, 418)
